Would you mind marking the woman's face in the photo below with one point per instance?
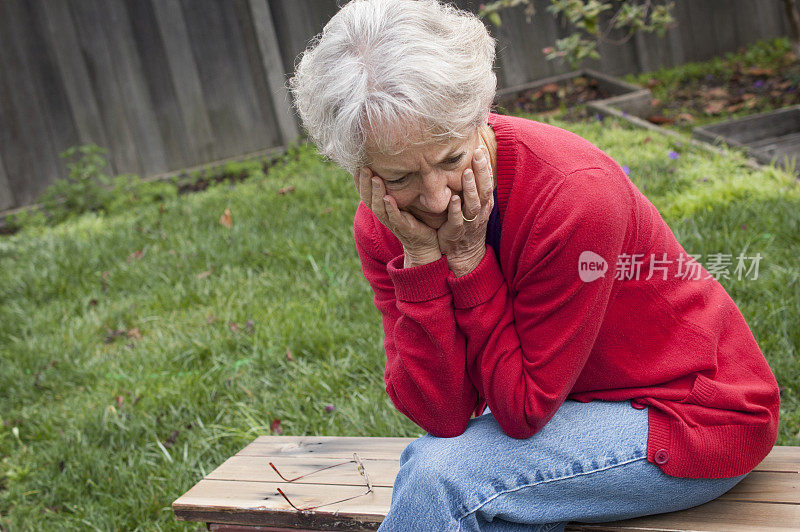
(422, 179)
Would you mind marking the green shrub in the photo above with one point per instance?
(85, 189)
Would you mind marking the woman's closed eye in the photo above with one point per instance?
(449, 162)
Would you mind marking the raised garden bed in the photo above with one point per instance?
(584, 86)
(768, 137)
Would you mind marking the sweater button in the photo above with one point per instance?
(661, 456)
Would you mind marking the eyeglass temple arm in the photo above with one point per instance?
(306, 474)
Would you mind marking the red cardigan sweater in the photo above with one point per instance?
(526, 336)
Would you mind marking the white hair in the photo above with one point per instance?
(386, 74)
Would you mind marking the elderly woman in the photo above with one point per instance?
(523, 279)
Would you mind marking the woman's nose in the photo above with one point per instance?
(435, 193)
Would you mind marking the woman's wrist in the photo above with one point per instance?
(421, 259)
(461, 266)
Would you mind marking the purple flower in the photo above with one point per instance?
(673, 155)
(626, 169)
(744, 226)
(624, 114)
(758, 84)
(598, 117)
(329, 408)
(709, 77)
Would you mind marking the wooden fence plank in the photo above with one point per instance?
(296, 22)
(185, 80)
(128, 70)
(227, 87)
(77, 85)
(157, 77)
(6, 196)
(274, 70)
(27, 135)
(255, 66)
(50, 91)
(89, 26)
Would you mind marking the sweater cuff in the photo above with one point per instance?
(479, 285)
(419, 283)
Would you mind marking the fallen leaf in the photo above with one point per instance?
(685, 117)
(655, 102)
(233, 326)
(735, 107)
(652, 82)
(286, 190)
(758, 71)
(289, 356)
(120, 401)
(783, 85)
(747, 96)
(714, 107)
(203, 275)
(275, 426)
(226, 219)
(646, 140)
(776, 94)
(549, 88)
(717, 93)
(135, 334)
(136, 255)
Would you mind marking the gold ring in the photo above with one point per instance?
(469, 219)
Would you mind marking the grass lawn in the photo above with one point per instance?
(142, 348)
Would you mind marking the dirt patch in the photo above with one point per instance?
(555, 96)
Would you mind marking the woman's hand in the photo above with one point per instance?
(420, 244)
(463, 242)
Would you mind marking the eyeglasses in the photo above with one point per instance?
(359, 466)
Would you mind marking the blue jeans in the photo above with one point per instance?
(588, 464)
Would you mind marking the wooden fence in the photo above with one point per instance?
(171, 84)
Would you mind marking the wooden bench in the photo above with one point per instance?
(243, 493)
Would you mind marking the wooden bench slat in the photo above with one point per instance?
(256, 468)
(767, 486)
(260, 503)
(715, 516)
(328, 446)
